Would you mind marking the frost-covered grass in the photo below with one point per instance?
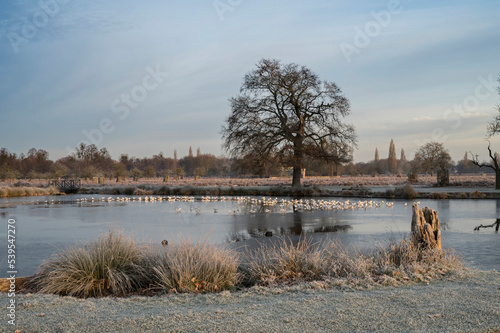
(110, 265)
(283, 262)
(187, 266)
(115, 265)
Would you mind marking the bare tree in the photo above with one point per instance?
(431, 157)
(285, 109)
(492, 128)
(494, 164)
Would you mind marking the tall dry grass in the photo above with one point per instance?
(112, 264)
(286, 262)
(187, 266)
(24, 191)
(115, 265)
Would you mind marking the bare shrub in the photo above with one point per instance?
(477, 195)
(437, 195)
(405, 192)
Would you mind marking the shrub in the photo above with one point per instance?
(437, 195)
(111, 264)
(477, 195)
(193, 267)
(406, 192)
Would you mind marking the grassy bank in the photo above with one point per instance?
(116, 265)
(26, 191)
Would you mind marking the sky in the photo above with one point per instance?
(155, 76)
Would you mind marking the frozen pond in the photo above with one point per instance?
(46, 224)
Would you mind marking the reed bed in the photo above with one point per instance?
(115, 265)
(25, 191)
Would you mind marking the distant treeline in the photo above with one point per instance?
(90, 161)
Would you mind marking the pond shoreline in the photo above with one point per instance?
(475, 186)
(361, 191)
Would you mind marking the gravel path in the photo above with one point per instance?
(468, 304)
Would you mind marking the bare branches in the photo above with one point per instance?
(493, 164)
(286, 109)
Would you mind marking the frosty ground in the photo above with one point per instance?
(467, 302)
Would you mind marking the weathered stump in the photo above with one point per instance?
(425, 228)
(443, 177)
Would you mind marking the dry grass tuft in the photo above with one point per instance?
(193, 267)
(283, 261)
(109, 265)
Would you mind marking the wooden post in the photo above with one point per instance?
(425, 228)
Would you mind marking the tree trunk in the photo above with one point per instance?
(297, 173)
(497, 179)
(297, 166)
(425, 228)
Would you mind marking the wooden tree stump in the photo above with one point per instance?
(425, 228)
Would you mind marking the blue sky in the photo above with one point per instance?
(144, 77)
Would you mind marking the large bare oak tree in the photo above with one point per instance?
(285, 111)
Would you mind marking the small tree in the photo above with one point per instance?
(136, 174)
(120, 171)
(149, 172)
(58, 170)
(431, 157)
(377, 158)
(179, 172)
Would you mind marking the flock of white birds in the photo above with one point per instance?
(253, 204)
